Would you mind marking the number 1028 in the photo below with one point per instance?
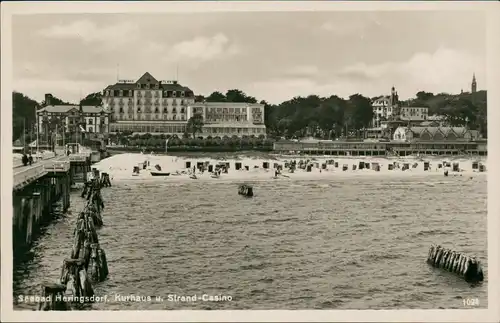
(471, 301)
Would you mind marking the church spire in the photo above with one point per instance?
(474, 83)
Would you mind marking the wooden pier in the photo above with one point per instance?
(36, 188)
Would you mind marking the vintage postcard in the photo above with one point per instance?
(250, 161)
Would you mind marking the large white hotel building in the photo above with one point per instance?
(151, 106)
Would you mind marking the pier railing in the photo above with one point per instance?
(78, 156)
(28, 174)
(58, 166)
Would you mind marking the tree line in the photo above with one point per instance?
(322, 117)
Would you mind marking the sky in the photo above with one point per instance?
(273, 56)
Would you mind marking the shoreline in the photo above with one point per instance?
(120, 167)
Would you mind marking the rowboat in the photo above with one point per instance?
(159, 174)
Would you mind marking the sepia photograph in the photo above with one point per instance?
(232, 159)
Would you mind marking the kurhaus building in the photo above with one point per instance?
(148, 105)
(151, 106)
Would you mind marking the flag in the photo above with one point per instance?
(82, 129)
(33, 144)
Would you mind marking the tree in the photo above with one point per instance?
(424, 96)
(199, 98)
(23, 114)
(236, 95)
(195, 124)
(362, 113)
(93, 99)
(56, 101)
(216, 97)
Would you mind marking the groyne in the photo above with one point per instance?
(87, 264)
(469, 268)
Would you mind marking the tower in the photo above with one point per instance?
(474, 84)
(394, 101)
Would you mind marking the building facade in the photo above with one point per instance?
(384, 108)
(148, 105)
(71, 117)
(229, 118)
(414, 113)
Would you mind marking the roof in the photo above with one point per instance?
(433, 130)
(67, 108)
(148, 78)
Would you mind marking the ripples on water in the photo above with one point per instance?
(338, 244)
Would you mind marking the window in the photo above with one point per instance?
(174, 93)
(138, 85)
(182, 94)
(90, 121)
(91, 129)
(174, 117)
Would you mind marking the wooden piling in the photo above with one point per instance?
(74, 272)
(466, 267)
(53, 298)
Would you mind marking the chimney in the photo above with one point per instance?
(48, 99)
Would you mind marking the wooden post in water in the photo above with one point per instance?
(52, 295)
(28, 215)
(73, 272)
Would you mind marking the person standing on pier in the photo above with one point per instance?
(30, 159)
(24, 159)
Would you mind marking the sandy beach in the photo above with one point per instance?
(120, 167)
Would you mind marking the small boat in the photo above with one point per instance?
(193, 177)
(159, 174)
